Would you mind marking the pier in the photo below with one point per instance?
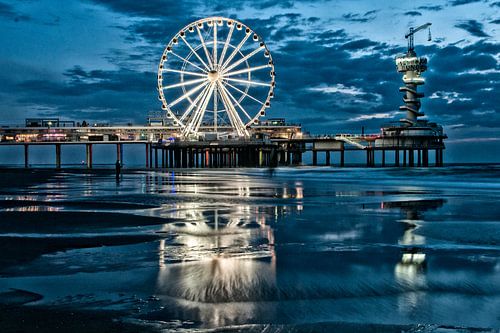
(269, 146)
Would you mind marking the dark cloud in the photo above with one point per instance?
(358, 45)
(473, 27)
(413, 13)
(495, 4)
(431, 8)
(462, 2)
(273, 3)
(497, 21)
(363, 18)
(10, 13)
(94, 95)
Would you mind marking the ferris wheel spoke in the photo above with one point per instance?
(204, 108)
(187, 61)
(185, 83)
(244, 93)
(184, 72)
(195, 116)
(245, 58)
(216, 104)
(226, 44)
(246, 70)
(193, 104)
(195, 53)
(236, 102)
(215, 47)
(235, 51)
(236, 120)
(229, 111)
(187, 94)
(256, 83)
(207, 54)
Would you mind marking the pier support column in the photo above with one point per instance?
(88, 147)
(383, 157)
(439, 157)
(184, 158)
(411, 158)
(370, 157)
(58, 156)
(26, 156)
(163, 158)
(396, 157)
(404, 157)
(150, 155)
(119, 153)
(315, 157)
(425, 157)
(342, 159)
(147, 155)
(156, 158)
(419, 157)
(327, 157)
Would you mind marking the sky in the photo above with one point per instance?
(97, 60)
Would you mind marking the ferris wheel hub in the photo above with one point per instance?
(213, 76)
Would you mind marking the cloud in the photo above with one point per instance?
(339, 88)
(462, 2)
(450, 96)
(431, 8)
(385, 115)
(10, 13)
(363, 18)
(413, 13)
(473, 27)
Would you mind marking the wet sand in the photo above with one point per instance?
(293, 250)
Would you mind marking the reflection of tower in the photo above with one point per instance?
(410, 271)
(412, 66)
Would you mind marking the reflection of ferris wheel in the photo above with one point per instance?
(215, 75)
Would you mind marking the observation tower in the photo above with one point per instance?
(411, 134)
(412, 67)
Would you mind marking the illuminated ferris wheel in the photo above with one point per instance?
(215, 75)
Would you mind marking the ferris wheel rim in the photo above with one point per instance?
(218, 71)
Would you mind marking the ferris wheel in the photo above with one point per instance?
(215, 75)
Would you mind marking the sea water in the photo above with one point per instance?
(284, 249)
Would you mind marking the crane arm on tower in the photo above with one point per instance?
(413, 31)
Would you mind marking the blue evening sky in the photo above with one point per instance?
(97, 59)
